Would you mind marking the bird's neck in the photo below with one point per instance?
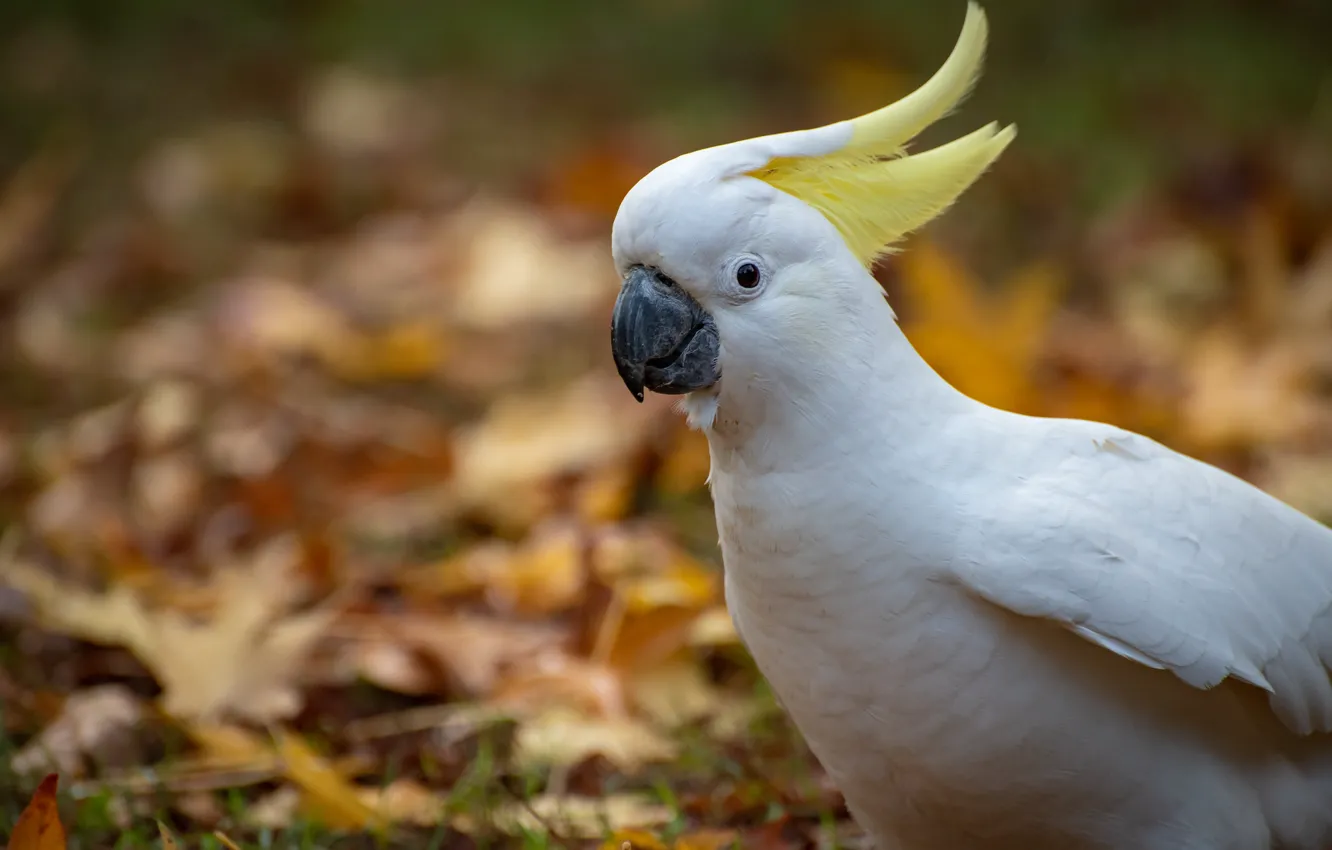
(870, 386)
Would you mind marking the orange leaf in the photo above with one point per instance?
(39, 826)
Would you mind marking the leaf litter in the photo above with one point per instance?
(359, 528)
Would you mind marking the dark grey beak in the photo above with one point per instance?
(661, 338)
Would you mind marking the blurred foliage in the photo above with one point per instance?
(326, 519)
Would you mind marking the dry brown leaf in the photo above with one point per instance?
(266, 318)
(404, 669)
(545, 574)
(562, 737)
(476, 651)
(243, 660)
(525, 442)
(100, 724)
(562, 680)
(405, 801)
(675, 693)
(39, 826)
(517, 269)
(571, 816)
(1243, 395)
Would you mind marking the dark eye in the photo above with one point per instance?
(747, 275)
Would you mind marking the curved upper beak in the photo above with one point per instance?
(661, 338)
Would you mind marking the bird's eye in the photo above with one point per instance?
(747, 275)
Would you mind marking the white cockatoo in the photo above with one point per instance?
(994, 630)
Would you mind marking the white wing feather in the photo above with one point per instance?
(1164, 560)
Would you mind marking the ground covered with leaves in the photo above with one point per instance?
(327, 522)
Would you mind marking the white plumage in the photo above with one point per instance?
(995, 631)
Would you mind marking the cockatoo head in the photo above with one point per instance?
(741, 254)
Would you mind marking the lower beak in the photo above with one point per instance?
(661, 338)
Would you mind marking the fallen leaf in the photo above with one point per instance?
(242, 660)
(103, 725)
(476, 651)
(562, 737)
(517, 269)
(525, 442)
(573, 817)
(226, 746)
(326, 795)
(405, 801)
(39, 826)
(1241, 395)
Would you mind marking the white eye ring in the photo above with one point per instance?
(746, 276)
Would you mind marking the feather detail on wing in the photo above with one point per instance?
(1168, 562)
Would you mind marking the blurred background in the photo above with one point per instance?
(326, 519)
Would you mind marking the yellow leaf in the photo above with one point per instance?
(39, 826)
(545, 575)
(326, 795)
(408, 351)
(229, 746)
(647, 639)
(685, 583)
(226, 841)
(685, 468)
(607, 495)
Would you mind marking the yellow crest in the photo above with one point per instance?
(872, 191)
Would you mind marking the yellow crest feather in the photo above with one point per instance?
(871, 190)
